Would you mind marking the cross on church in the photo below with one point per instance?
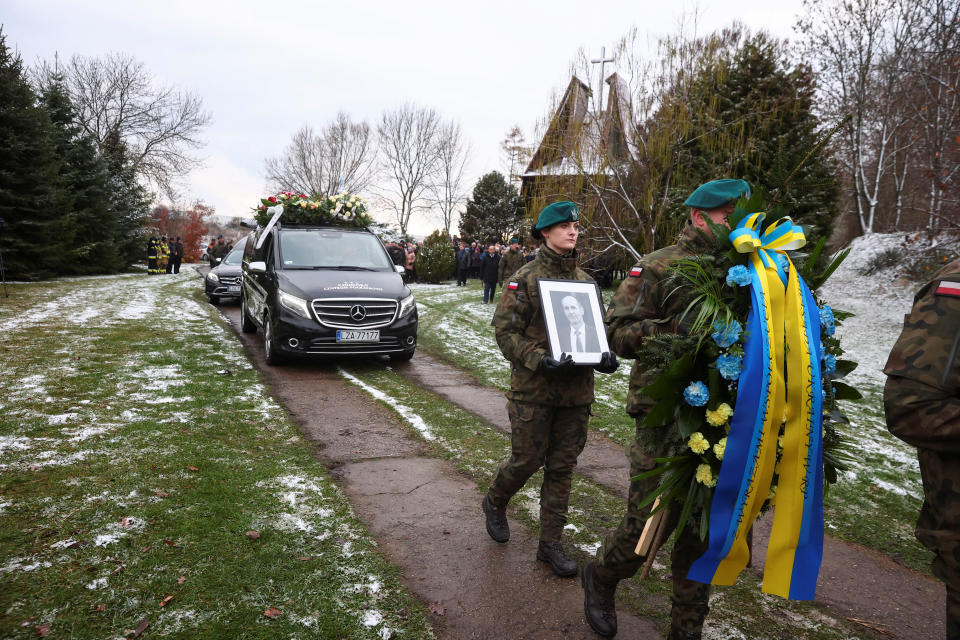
(602, 61)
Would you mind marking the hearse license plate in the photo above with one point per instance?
(233, 288)
(358, 336)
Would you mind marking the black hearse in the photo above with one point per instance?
(325, 291)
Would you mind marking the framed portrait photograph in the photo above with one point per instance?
(573, 312)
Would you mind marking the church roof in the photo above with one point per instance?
(573, 126)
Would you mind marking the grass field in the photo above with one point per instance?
(147, 478)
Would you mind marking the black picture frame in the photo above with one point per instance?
(560, 314)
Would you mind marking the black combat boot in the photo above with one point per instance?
(497, 525)
(552, 553)
(598, 601)
(680, 634)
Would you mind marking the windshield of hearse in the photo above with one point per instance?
(331, 249)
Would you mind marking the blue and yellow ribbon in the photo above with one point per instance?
(780, 385)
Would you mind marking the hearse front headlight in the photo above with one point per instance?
(212, 277)
(293, 303)
(407, 305)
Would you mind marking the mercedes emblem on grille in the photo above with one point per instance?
(358, 313)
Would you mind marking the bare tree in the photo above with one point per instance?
(448, 188)
(340, 157)
(409, 159)
(117, 100)
(858, 48)
(932, 70)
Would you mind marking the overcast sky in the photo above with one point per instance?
(265, 68)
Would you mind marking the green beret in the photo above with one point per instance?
(717, 193)
(556, 213)
(514, 240)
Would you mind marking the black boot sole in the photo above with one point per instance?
(563, 574)
(606, 633)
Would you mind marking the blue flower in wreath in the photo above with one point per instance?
(829, 364)
(827, 322)
(696, 394)
(738, 275)
(726, 334)
(729, 366)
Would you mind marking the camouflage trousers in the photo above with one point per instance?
(549, 437)
(617, 560)
(938, 527)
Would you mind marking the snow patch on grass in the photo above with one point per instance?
(406, 412)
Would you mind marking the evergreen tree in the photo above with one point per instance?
(37, 240)
(494, 213)
(436, 260)
(755, 102)
(84, 181)
(129, 203)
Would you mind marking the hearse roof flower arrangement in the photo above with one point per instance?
(341, 209)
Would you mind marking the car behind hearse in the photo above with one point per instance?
(223, 280)
(325, 291)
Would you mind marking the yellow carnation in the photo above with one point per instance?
(772, 496)
(302, 203)
(697, 443)
(313, 205)
(720, 415)
(720, 448)
(705, 476)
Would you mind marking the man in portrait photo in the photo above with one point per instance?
(576, 335)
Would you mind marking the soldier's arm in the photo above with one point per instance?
(634, 312)
(513, 315)
(922, 394)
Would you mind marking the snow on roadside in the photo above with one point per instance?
(406, 412)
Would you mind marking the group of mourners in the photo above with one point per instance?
(491, 265)
(549, 408)
(163, 256)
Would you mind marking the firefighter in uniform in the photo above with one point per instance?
(922, 404)
(549, 399)
(152, 252)
(643, 306)
(163, 256)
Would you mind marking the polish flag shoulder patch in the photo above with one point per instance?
(947, 288)
(512, 286)
(636, 271)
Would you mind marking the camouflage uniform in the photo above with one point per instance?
(641, 307)
(510, 263)
(548, 415)
(922, 403)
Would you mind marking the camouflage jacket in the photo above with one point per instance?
(522, 335)
(922, 394)
(510, 262)
(641, 307)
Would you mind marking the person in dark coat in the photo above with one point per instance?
(463, 264)
(490, 273)
(476, 254)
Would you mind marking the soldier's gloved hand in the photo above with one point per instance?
(608, 363)
(564, 366)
